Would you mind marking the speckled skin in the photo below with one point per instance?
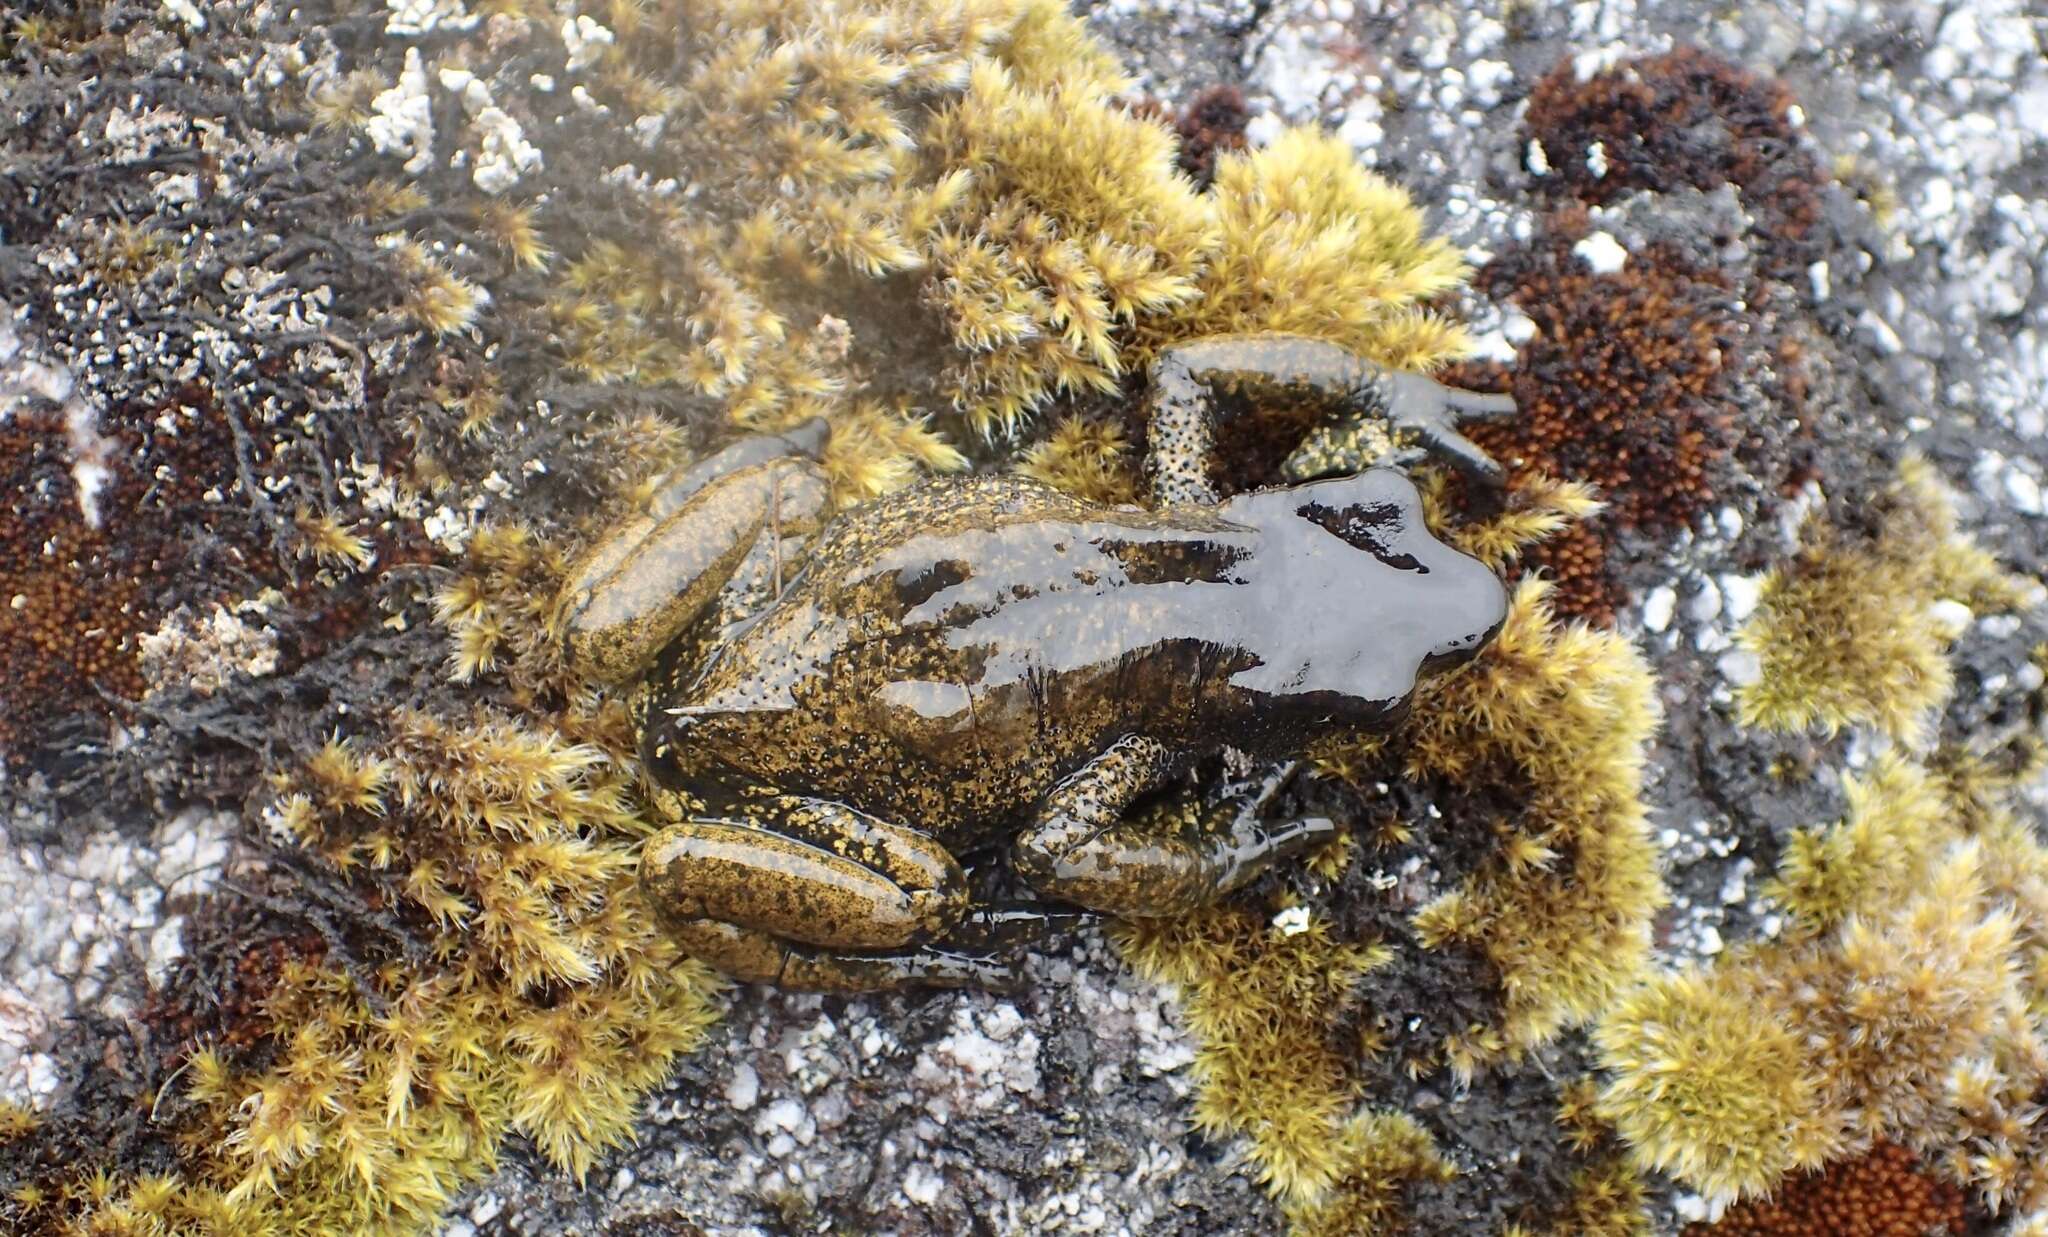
(972, 664)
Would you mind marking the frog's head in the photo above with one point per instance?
(1362, 596)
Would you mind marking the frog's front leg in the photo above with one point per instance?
(1082, 849)
(1185, 379)
(643, 583)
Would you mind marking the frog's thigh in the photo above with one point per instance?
(751, 955)
(1083, 850)
(635, 589)
(807, 870)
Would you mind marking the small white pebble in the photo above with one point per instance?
(1291, 922)
(743, 1088)
(1740, 667)
(921, 1185)
(1741, 594)
(1658, 606)
(1705, 605)
(1601, 252)
(1952, 614)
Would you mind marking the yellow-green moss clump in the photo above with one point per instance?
(547, 1003)
(1557, 714)
(878, 183)
(1848, 633)
(1264, 1005)
(1904, 1000)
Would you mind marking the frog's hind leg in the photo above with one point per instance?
(1083, 850)
(754, 956)
(808, 871)
(643, 583)
(1182, 407)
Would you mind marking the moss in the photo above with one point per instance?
(1378, 1154)
(1608, 1199)
(1684, 119)
(17, 1121)
(1556, 716)
(1264, 1004)
(1848, 634)
(1904, 1000)
(542, 1001)
(1625, 386)
(968, 170)
(1881, 1193)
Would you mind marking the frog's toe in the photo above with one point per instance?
(753, 956)
(1294, 837)
(1469, 456)
(1010, 924)
(1479, 405)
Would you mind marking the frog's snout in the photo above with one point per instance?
(1476, 613)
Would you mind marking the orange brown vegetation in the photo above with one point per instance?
(1683, 119)
(1881, 1193)
(1622, 386)
(77, 596)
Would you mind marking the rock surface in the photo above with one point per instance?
(1921, 309)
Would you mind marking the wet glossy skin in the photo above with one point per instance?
(990, 663)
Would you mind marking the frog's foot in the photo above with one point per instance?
(1182, 408)
(1430, 411)
(642, 584)
(753, 956)
(1083, 850)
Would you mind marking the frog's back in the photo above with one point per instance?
(910, 669)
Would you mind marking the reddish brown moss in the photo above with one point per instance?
(78, 596)
(1879, 1194)
(175, 529)
(1213, 121)
(1683, 119)
(1623, 386)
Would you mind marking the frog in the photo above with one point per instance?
(846, 707)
